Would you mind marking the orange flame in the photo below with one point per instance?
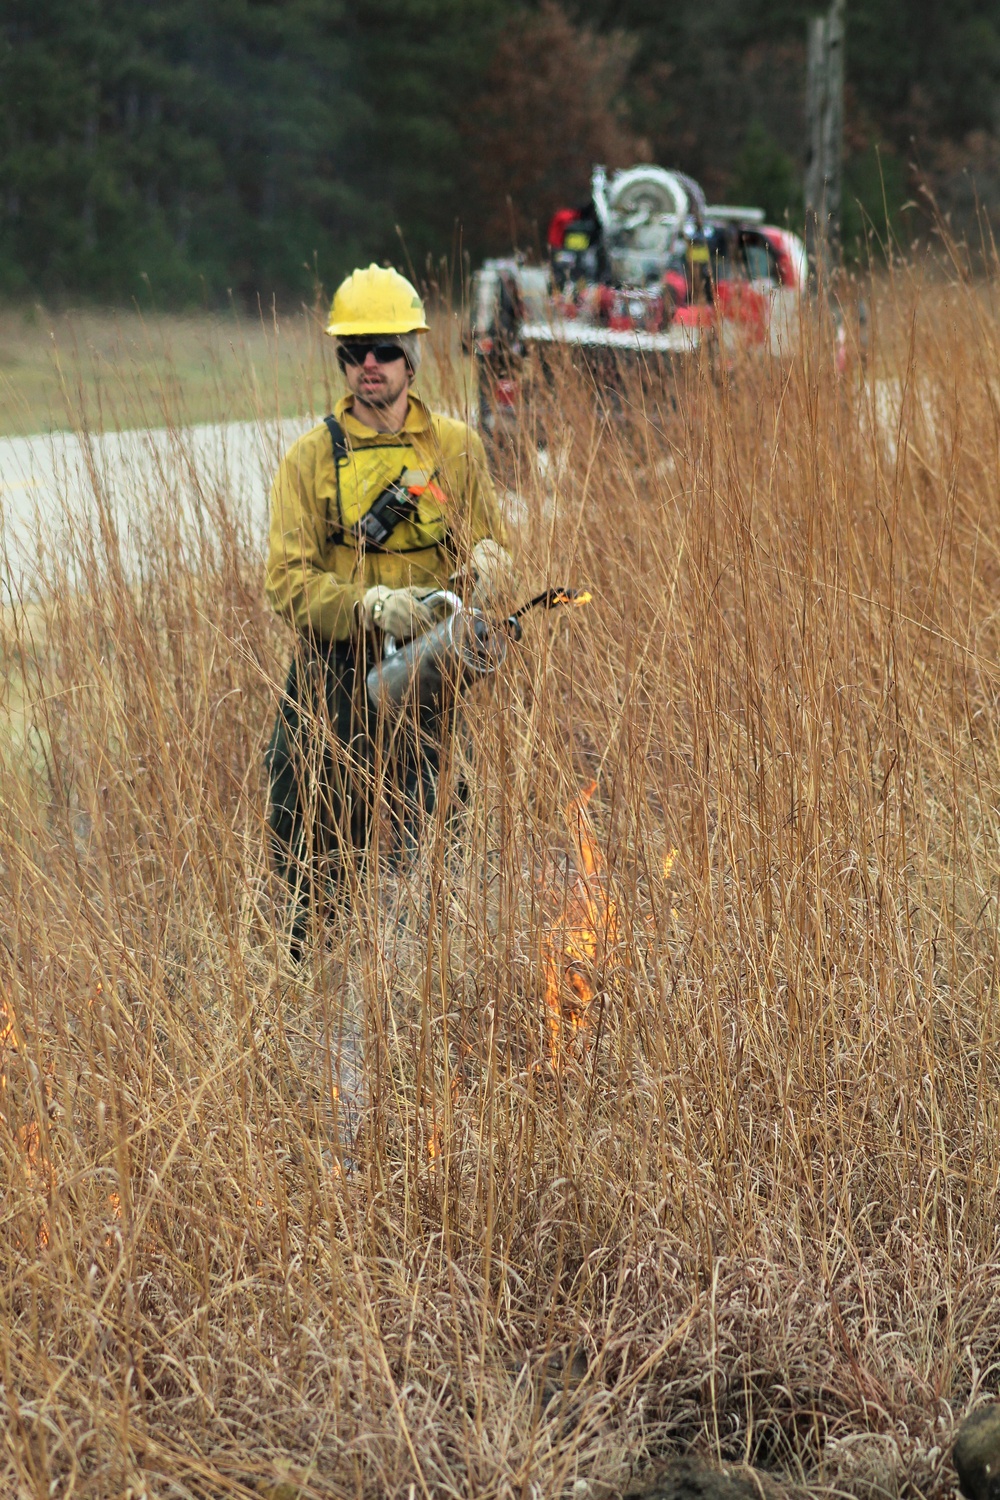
(6, 1024)
(115, 1206)
(575, 597)
(36, 1164)
(581, 933)
(27, 1137)
(6, 1034)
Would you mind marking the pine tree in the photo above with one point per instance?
(420, 65)
(196, 144)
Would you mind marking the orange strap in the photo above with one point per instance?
(436, 493)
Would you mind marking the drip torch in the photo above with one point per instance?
(461, 647)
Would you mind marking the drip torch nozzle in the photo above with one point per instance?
(551, 598)
(547, 599)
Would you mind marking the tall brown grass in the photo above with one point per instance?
(752, 1204)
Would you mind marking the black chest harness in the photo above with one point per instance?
(393, 505)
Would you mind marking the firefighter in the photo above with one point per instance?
(373, 510)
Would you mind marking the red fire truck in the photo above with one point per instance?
(645, 271)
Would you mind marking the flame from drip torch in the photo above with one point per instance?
(6, 1033)
(551, 598)
(584, 928)
(28, 1137)
(36, 1171)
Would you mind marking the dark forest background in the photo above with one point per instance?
(188, 149)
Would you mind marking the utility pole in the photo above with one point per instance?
(825, 139)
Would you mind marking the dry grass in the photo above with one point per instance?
(759, 1189)
(61, 370)
(106, 371)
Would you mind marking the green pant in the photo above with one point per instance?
(340, 780)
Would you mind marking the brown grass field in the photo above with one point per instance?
(715, 1133)
(126, 369)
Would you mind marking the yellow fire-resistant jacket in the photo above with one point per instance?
(317, 573)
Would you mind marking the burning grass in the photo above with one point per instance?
(671, 1064)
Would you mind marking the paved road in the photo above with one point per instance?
(51, 482)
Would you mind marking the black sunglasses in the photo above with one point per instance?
(356, 354)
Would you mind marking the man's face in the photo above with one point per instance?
(377, 381)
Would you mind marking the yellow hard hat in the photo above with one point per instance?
(377, 300)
